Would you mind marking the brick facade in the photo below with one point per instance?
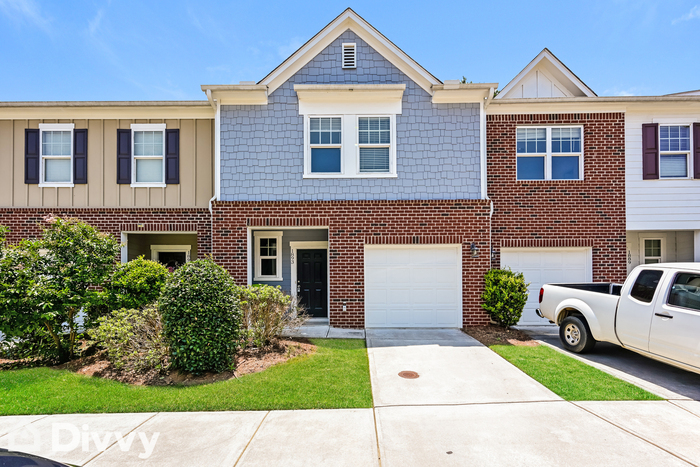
(351, 225)
(27, 222)
(562, 213)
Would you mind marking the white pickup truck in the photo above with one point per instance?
(656, 312)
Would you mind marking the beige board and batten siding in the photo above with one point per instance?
(196, 185)
(664, 204)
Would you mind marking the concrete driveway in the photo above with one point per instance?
(659, 378)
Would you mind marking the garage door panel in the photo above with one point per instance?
(418, 286)
(546, 265)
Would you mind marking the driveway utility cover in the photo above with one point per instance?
(453, 367)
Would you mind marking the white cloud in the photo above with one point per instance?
(26, 10)
(95, 23)
(694, 13)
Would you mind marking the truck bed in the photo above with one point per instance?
(608, 288)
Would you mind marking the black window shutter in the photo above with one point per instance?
(31, 156)
(650, 151)
(172, 156)
(123, 156)
(80, 157)
(696, 150)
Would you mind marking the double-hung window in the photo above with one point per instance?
(148, 150)
(56, 149)
(325, 138)
(549, 153)
(374, 141)
(652, 250)
(268, 256)
(674, 151)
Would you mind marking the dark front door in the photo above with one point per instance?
(312, 282)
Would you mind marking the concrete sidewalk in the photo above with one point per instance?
(467, 407)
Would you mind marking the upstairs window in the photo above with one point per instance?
(549, 153)
(674, 151)
(325, 136)
(349, 58)
(374, 138)
(148, 154)
(56, 154)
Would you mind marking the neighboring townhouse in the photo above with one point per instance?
(556, 177)
(140, 171)
(663, 179)
(353, 178)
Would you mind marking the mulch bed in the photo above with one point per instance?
(497, 335)
(250, 360)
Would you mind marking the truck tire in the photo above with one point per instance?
(575, 335)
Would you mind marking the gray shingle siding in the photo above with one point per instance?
(437, 152)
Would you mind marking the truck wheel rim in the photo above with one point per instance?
(572, 334)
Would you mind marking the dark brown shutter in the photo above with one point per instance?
(650, 151)
(123, 156)
(31, 156)
(696, 150)
(172, 156)
(80, 157)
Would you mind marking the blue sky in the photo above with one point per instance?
(148, 50)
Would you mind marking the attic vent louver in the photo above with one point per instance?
(349, 56)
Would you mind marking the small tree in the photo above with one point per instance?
(505, 295)
(267, 311)
(201, 317)
(135, 284)
(46, 283)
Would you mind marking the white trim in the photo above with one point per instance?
(308, 146)
(124, 247)
(276, 234)
(250, 256)
(319, 245)
(482, 150)
(548, 154)
(147, 127)
(350, 20)
(42, 158)
(155, 249)
(392, 147)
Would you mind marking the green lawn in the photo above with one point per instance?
(569, 378)
(336, 376)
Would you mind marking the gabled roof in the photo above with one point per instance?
(545, 76)
(349, 20)
(686, 93)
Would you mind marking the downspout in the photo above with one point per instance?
(217, 152)
(484, 185)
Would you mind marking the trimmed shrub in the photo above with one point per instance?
(201, 317)
(505, 295)
(267, 311)
(133, 339)
(135, 284)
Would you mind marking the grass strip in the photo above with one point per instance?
(569, 378)
(336, 376)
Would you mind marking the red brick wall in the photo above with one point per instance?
(28, 222)
(589, 212)
(351, 225)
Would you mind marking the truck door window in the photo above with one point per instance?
(685, 291)
(645, 285)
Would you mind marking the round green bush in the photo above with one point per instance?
(201, 317)
(135, 284)
(505, 295)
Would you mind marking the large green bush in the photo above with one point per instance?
(50, 286)
(135, 284)
(133, 339)
(201, 317)
(267, 311)
(505, 295)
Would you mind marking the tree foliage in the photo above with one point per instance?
(505, 295)
(135, 284)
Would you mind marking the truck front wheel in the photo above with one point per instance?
(575, 335)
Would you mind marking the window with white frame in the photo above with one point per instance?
(652, 250)
(549, 153)
(325, 137)
(674, 151)
(268, 256)
(148, 154)
(56, 150)
(374, 141)
(350, 146)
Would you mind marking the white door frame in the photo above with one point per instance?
(294, 246)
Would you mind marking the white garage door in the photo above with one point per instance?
(413, 286)
(546, 265)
